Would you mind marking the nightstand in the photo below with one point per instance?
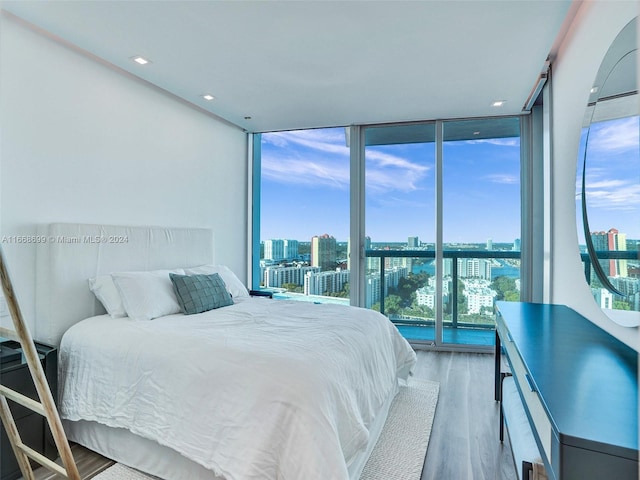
(33, 428)
(261, 293)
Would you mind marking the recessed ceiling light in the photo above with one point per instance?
(476, 133)
(208, 96)
(498, 103)
(594, 89)
(140, 60)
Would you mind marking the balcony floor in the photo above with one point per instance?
(454, 335)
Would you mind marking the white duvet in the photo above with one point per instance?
(262, 389)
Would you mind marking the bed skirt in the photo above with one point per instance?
(148, 456)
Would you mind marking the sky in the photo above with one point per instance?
(305, 189)
(612, 177)
(305, 186)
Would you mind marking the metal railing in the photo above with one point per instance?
(454, 255)
(607, 255)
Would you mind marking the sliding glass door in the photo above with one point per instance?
(480, 225)
(303, 215)
(400, 226)
(443, 226)
(420, 221)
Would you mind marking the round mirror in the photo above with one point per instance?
(609, 183)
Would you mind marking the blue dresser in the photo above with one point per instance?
(579, 388)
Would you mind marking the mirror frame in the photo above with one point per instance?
(620, 50)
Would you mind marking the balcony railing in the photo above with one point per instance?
(608, 255)
(454, 255)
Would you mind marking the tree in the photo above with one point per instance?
(512, 296)
(344, 293)
(505, 287)
(621, 305)
(292, 287)
(408, 285)
(392, 304)
(463, 307)
(421, 311)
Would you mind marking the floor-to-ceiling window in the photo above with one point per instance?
(440, 215)
(400, 226)
(480, 224)
(304, 215)
(443, 226)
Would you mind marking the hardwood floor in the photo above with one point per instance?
(89, 465)
(464, 441)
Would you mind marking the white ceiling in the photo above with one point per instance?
(303, 64)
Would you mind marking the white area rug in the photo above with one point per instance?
(400, 451)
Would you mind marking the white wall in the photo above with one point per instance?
(82, 142)
(574, 70)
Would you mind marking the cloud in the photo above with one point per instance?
(321, 158)
(294, 171)
(606, 183)
(383, 181)
(504, 179)
(327, 140)
(617, 136)
(624, 197)
(501, 142)
(383, 160)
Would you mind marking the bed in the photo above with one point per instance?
(257, 389)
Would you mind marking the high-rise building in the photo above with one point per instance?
(413, 242)
(611, 241)
(474, 268)
(373, 285)
(323, 252)
(516, 245)
(278, 249)
(291, 249)
(274, 250)
(489, 244)
(324, 283)
(398, 262)
(276, 277)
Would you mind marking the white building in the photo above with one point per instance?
(291, 249)
(323, 283)
(474, 268)
(603, 297)
(275, 277)
(478, 294)
(274, 250)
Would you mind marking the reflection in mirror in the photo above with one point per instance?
(609, 183)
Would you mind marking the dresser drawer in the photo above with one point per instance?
(532, 403)
(19, 379)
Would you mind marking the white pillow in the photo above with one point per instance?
(105, 290)
(234, 286)
(147, 295)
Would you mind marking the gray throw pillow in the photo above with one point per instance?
(200, 293)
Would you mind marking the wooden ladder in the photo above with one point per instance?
(45, 407)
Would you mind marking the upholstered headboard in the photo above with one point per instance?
(72, 253)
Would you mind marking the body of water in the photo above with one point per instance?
(504, 270)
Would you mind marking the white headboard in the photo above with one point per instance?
(71, 253)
